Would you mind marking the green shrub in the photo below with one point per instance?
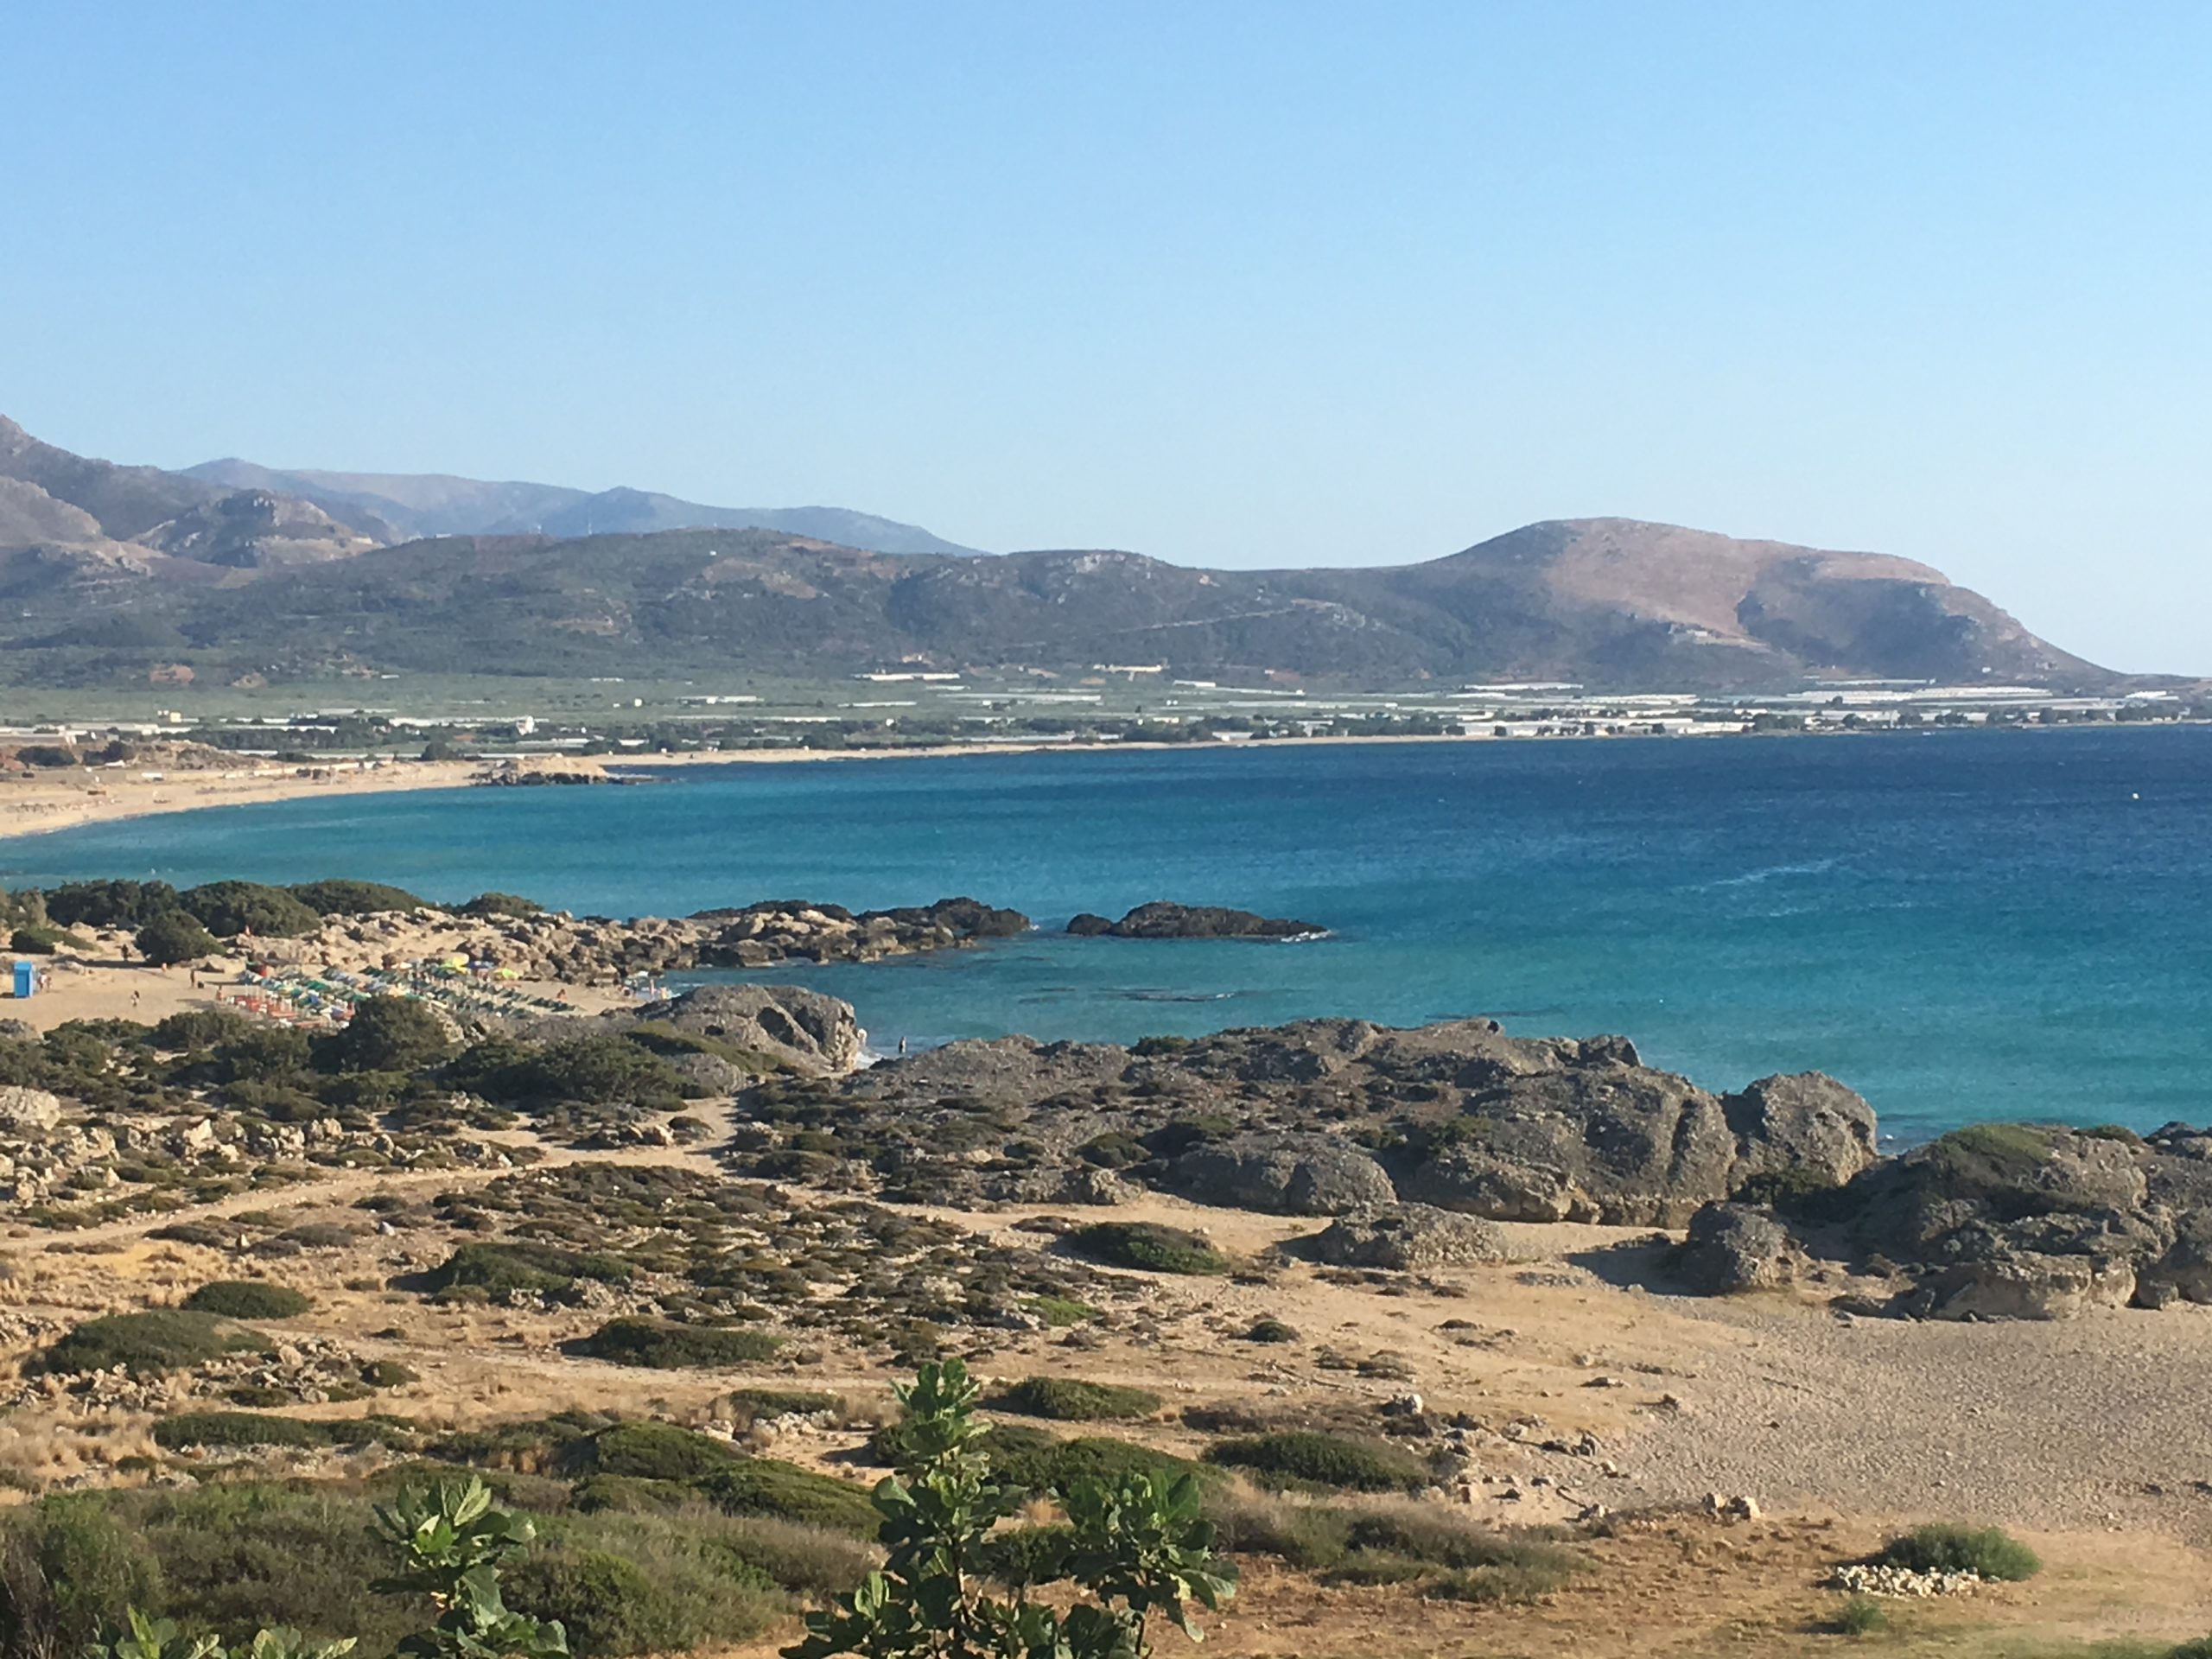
(663, 1346)
(1148, 1247)
(66, 1567)
(1858, 1616)
(255, 1428)
(655, 1451)
(1137, 1547)
(1065, 1399)
(521, 1264)
(1991, 1552)
(1269, 1329)
(108, 904)
(1312, 1458)
(174, 936)
(1061, 1312)
(501, 904)
(343, 898)
(230, 908)
(594, 1070)
(389, 1034)
(160, 1340)
(248, 1298)
(611, 1605)
(1033, 1461)
(767, 1486)
(632, 1494)
(388, 1374)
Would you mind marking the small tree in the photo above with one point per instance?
(174, 936)
(451, 1542)
(1139, 1546)
(390, 1033)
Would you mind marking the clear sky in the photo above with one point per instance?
(1230, 283)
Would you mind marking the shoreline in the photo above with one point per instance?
(42, 805)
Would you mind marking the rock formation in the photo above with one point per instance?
(1163, 920)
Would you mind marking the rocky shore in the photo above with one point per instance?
(558, 947)
(1412, 1139)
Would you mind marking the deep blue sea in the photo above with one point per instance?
(1961, 925)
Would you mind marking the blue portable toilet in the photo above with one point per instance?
(26, 979)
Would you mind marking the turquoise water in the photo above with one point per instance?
(1962, 925)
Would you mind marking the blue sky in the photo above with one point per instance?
(1228, 283)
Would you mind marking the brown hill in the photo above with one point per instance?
(126, 558)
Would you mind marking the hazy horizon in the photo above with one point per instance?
(1243, 287)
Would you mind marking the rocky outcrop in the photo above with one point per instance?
(2017, 1222)
(1807, 1126)
(796, 1030)
(1471, 1120)
(1282, 1174)
(1163, 920)
(597, 951)
(28, 1111)
(1596, 1140)
(1403, 1237)
(1735, 1247)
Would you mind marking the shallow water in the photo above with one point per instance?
(1962, 925)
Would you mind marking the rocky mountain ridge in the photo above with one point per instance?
(160, 570)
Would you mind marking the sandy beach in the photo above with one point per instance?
(63, 800)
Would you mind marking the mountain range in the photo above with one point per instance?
(111, 573)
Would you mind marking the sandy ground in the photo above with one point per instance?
(102, 985)
(2091, 1438)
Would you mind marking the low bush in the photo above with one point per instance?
(501, 904)
(160, 1340)
(229, 908)
(248, 1298)
(1148, 1247)
(1989, 1552)
(1033, 1461)
(654, 1452)
(522, 1265)
(1270, 1329)
(191, 1430)
(1068, 1400)
(1858, 1616)
(1312, 1458)
(1061, 1312)
(342, 898)
(659, 1593)
(784, 1491)
(662, 1346)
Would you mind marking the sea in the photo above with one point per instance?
(1961, 924)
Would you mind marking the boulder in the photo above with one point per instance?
(28, 1111)
(1405, 1236)
(1735, 1247)
(1620, 1144)
(1807, 1128)
(1283, 1174)
(2024, 1284)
